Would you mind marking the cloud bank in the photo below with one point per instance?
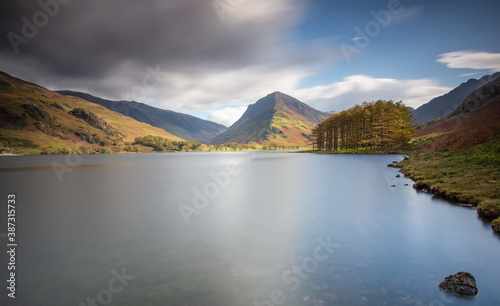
(356, 89)
(180, 55)
(471, 60)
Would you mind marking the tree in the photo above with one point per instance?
(374, 125)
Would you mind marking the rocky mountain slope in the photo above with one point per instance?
(184, 126)
(476, 120)
(278, 119)
(444, 105)
(34, 119)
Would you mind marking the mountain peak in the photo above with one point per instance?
(277, 118)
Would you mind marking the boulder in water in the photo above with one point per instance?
(462, 284)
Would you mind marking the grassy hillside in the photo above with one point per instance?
(458, 157)
(184, 126)
(294, 129)
(35, 120)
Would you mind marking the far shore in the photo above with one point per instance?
(356, 152)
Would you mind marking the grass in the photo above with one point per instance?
(466, 176)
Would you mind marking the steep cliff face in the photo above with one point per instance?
(480, 98)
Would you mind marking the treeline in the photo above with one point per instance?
(371, 126)
(162, 144)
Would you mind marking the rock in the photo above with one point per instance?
(275, 131)
(478, 98)
(58, 106)
(496, 225)
(406, 185)
(43, 127)
(393, 185)
(393, 166)
(36, 112)
(305, 136)
(93, 120)
(462, 284)
(398, 176)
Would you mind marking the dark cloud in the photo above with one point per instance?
(93, 38)
(108, 47)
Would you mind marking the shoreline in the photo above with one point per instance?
(355, 152)
(459, 182)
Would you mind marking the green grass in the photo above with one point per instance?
(466, 176)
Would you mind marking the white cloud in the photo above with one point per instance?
(248, 86)
(471, 60)
(215, 89)
(227, 116)
(356, 89)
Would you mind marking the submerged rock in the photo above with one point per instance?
(394, 165)
(462, 284)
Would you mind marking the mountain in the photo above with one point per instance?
(276, 118)
(34, 119)
(457, 157)
(476, 120)
(184, 126)
(444, 105)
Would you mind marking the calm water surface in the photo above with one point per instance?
(236, 229)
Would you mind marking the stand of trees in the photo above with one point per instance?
(162, 144)
(376, 125)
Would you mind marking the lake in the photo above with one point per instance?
(265, 228)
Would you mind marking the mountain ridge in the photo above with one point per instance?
(476, 120)
(442, 106)
(34, 119)
(181, 125)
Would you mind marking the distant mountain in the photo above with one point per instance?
(34, 120)
(476, 120)
(184, 126)
(276, 118)
(444, 105)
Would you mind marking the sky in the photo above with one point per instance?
(212, 58)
